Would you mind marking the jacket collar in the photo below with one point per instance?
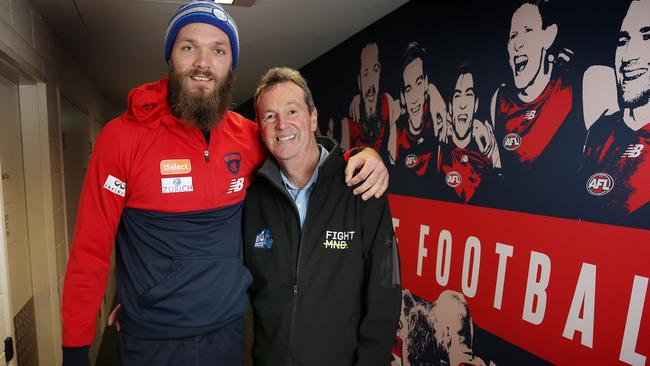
(271, 169)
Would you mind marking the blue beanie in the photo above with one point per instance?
(202, 11)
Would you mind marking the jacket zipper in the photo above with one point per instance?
(297, 268)
(295, 284)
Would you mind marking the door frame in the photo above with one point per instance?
(40, 215)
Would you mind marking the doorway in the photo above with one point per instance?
(16, 228)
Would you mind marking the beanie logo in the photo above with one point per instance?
(220, 15)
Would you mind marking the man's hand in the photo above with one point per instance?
(483, 134)
(355, 108)
(112, 317)
(373, 174)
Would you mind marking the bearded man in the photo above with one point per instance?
(166, 184)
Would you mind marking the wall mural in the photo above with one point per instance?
(517, 138)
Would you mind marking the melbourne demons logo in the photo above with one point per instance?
(411, 160)
(600, 184)
(453, 179)
(512, 141)
(233, 161)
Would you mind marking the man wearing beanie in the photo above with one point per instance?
(166, 184)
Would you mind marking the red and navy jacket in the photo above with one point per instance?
(172, 205)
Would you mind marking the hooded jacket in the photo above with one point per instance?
(172, 204)
(329, 294)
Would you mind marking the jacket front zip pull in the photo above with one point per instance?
(207, 156)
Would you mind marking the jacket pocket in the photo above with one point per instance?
(198, 292)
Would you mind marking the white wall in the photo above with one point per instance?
(47, 71)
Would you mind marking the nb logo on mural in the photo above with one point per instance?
(512, 141)
(633, 151)
(600, 184)
(530, 115)
(453, 179)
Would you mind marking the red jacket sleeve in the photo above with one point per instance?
(101, 203)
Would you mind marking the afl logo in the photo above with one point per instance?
(600, 184)
(453, 179)
(512, 141)
(411, 160)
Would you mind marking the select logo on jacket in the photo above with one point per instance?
(264, 240)
(175, 167)
(115, 185)
(176, 185)
(337, 239)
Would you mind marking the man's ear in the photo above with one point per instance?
(549, 35)
(314, 120)
(359, 85)
(475, 105)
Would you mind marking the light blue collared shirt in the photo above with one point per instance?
(301, 196)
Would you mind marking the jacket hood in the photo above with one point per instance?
(148, 103)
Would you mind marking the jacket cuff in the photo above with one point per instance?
(76, 356)
(352, 152)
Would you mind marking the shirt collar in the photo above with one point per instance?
(323, 155)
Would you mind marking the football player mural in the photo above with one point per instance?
(536, 119)
(369, 122)
(616, 171)
(470, 153)
(414, 151)
(516, 133)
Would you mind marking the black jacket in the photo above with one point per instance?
(331, 294)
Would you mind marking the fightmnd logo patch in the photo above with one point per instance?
(338, 239)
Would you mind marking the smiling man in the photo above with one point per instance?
(325, 265)
(617, 161)
(415, 148)
(537, 119)
(465, 163)
(166, 185)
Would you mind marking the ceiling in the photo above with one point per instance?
(120, 42)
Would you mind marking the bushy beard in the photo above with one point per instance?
(370, 124)
(200, 110)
